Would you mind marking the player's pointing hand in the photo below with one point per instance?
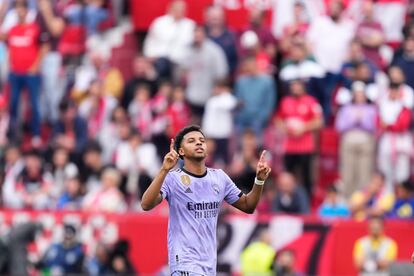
(262, 170)
(171, 158)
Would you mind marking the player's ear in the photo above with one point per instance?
(181, 151)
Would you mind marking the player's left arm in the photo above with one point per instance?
(247, 203)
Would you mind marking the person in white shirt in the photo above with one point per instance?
(206, 63)
(217, 121)
(138, 162)
(107, 198)
(168, 38)
(97, 108)
(329, 37)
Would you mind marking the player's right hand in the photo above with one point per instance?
(171, 158)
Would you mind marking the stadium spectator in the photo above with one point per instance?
(355, 58)
(356, 122)
(12, 164)
(4, 124)
(391, 15)
(257, 258)
(325, 29)
(329, 37)
(250, 47)
(298, 116)
(89, 14)
(290, 197)
(107, 197)
(371, 35)
(26, 51)
(143, 73)
(295, 32)
(374, 252)
(285, 263)
(52, 25)
(334, 205)
(205, 64)
(140, 111)
(138, 162)
(242, 166)
(256, 93)
(395, 144)
(72, 195)
(217, 121)
(98, 263)
(361, 72)
(113, 133)
(298, 65)
(96, 67)
(168, 39)
(97, 108)
(406, 61)
(120, 264)
(374, 199)
(71, 131)
(404, 202)
(60, 170)
(217, 31)
(20, 237)
(160, 122)
(178, 112)
(92, 166)
(265, 37)
(31, 189)
(265, 204)
(65, 257)
(11, 16)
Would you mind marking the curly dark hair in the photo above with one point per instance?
(180, 135)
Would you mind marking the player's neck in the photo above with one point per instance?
(195, 167)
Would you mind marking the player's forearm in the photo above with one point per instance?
(253, 197)
(152, 196)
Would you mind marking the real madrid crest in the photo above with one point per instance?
(185, 179)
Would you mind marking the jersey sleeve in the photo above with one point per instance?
(166, 187)
(231, 192)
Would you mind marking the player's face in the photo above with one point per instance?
(194, 146)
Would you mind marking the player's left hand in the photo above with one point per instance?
(262, 170)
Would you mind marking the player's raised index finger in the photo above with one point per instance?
(172, 145)
(262, 156)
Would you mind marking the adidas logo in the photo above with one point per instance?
(188, 190)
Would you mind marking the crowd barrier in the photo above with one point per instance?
(321, 247)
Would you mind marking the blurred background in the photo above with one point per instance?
(92, 91)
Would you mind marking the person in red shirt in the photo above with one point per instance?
(25, 53)
(299, 115)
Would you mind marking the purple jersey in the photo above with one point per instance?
(194, 203)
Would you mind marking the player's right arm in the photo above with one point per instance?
(152, 196)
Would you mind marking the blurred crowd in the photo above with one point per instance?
(83, 137)
(63, 257)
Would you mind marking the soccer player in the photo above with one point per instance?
(195, 194)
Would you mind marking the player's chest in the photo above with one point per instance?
(199, 189)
